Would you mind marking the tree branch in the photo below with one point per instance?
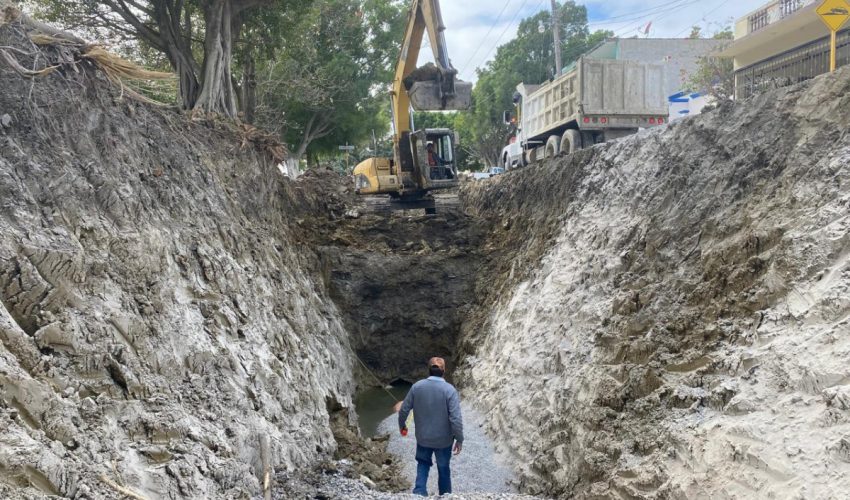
(323, 131)
(49, 30)
(140, 7)
(238, 6)
(175, 15)
(145, 32)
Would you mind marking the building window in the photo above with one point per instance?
(758, 20)
(790, 6)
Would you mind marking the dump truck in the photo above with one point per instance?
(593, 101)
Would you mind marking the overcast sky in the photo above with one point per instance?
(476, 27)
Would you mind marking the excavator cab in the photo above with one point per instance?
(434, 158)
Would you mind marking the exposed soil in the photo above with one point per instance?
(403, 281)
(159, 320)
(671, 310)
(172, 306)
(662, 317)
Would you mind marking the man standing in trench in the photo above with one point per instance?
(439, 424)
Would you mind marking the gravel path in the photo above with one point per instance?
(338, 487)
(477, 469)
(477, 473)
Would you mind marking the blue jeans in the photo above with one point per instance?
(423, 467)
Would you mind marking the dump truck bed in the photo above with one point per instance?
(617, 90)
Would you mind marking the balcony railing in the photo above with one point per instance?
(788, 7)
(771, 13)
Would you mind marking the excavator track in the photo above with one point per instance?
(385, 205)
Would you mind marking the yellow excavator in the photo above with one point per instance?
(423, 160)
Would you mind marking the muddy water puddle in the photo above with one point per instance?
(374, 404)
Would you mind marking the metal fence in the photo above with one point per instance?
(794, 66)
(759, 20)
(790, 6)
(773, 12)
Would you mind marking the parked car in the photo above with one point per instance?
(490, 172)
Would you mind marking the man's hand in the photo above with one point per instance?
(458, 448)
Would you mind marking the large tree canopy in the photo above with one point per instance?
(197, 37)
(329, 86)
(529, 58)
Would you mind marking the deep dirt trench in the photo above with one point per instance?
(404, 284)
(662, 317)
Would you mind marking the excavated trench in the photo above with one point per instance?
(404, 285)
(662, 317)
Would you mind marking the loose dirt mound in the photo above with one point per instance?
(673, 317)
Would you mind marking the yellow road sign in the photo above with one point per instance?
(834, 13)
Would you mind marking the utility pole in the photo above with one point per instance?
(556, 28)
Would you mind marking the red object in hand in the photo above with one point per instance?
(404, 432)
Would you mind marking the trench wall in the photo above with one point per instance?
(668, 316)
(160, 324)
(404, 284)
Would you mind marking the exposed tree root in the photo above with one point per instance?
(118, 70)
(13, 63)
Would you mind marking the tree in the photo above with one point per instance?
(326, 87)
(715, 76)
(696, 33)
(528, 58)
(197, 37)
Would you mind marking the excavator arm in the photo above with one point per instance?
(431, 87)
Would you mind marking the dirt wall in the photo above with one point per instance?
(404, 284)
(159, 320)
(668, 316)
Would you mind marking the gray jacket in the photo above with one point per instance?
(436, 413)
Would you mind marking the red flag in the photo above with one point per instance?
(648, 27)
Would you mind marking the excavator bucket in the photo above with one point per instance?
(428, 96)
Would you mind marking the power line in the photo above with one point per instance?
(639, 14)
(492, 27)
(518, 12)
(656, 19)
(704, 15)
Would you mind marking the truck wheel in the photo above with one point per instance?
(506, 163)
(553, 147)
(571, 141)
(531, 156)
